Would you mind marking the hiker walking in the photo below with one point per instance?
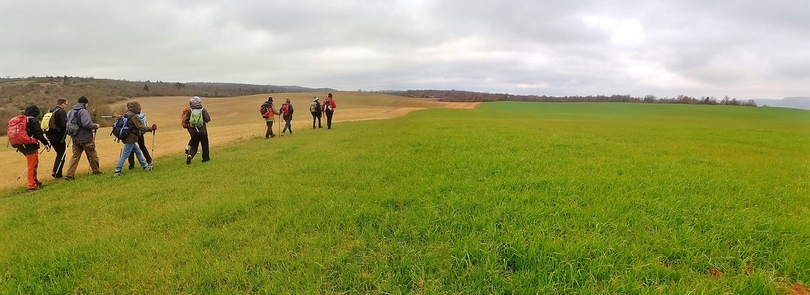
(136, 129)
(195, 120)
(287, 113)
(141, 142)
(25, 134)
(329, 109)
(269, 113)
(82, 130)
(56, 134)
(316, 111)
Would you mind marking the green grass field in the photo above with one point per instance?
(509, 198)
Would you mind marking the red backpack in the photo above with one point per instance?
(16, 131)
(285, 110)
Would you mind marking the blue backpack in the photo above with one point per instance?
(121, 128)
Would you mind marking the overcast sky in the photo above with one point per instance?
(740, 48)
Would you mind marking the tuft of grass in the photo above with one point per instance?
(508, 198)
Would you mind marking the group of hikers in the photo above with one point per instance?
(316, 109)
(26, 132)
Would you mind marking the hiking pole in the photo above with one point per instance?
(154, 130)
(61, 162)
(26, 168)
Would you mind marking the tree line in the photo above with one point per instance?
(469, 96)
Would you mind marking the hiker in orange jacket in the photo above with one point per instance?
(269, 113)
(31, 148)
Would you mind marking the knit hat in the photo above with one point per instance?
(194, 100)
(288, 100)
(270, 99)
(83, 100)
(316, 99)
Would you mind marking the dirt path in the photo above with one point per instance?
(233, 119)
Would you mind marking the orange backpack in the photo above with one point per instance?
(184, 118)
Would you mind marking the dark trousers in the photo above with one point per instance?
(287, 126)
(198, 139)
(314, 116)
(269, 131)
(329, 119)
(58, 144)
(145, 152)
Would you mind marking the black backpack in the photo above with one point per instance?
(121, 128)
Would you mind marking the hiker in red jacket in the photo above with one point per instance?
(329, 108)
(31, 148)
(287, 113)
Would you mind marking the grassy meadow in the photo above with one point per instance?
(559, 198)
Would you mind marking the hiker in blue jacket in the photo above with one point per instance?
(136, 130)
(141, 145)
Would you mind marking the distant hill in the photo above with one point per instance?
(787, 102)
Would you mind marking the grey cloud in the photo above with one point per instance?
(738, 48)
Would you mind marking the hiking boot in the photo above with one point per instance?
(98, 173)
(40, 185)
(69, 178)
(206, 160)
(272, 135)
(188, 160)
(320, 126)
(148, 167)
(117, 174)
(33, 189)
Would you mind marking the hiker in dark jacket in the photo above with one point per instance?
(287, 116)
(316, 111)
(141, 145)
(31, 150)
(57, 134)
(329, 109)
(198, 132)
(269, 115)
(83, 140)
(136, 131)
